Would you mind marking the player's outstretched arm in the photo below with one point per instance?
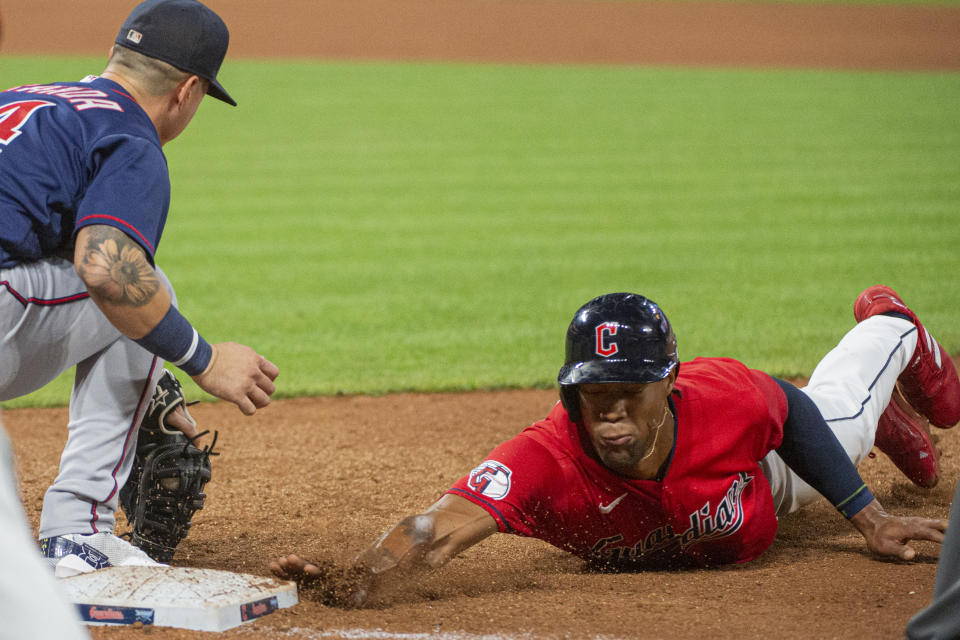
(417, 543)
(431, 539)
(887, 535)
(125, 286)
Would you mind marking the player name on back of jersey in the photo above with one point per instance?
(81, 98)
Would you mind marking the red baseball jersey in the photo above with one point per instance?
(713, 504)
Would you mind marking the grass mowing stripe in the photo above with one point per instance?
(377, 227)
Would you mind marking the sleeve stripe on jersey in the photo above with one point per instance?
(190, 351)
(124, 223)
(852, 505)
(475, 498)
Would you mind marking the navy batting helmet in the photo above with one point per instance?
(617, 337)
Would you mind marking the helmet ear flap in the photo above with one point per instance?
(570, 399)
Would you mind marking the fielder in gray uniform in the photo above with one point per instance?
(941, 619)
(31, 603)
(84, 196)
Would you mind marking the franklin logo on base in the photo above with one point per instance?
(183, 597)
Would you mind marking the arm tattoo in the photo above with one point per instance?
(117, 269)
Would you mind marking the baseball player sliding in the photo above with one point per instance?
(650, 463)
(84, 195)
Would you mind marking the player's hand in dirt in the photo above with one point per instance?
(887, 535)
(325, 582)
(293, 567)
(239, 374)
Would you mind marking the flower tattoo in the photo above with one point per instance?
(116, 266)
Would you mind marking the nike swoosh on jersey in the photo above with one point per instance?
(607, 508)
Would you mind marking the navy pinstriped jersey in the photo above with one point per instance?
(74, 154)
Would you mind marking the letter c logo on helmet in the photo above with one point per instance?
(627, 325)
(606, 348)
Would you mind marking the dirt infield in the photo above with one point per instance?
(554, 31)
(325, 476)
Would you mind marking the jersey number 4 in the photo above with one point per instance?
(14, 115)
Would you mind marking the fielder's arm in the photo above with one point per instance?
(127, 289)
(120, 279)
(417, 543)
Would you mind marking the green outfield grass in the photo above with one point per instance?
(383, 227)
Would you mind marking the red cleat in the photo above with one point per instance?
(908, 445)
(929, 383)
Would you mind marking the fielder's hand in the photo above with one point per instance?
(239, 374)
(888, 535)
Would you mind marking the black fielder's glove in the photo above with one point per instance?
(165, 487)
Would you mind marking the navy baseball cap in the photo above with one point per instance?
(183, 33)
